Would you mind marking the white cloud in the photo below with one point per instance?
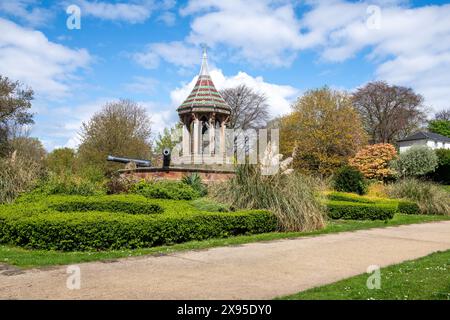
(412, 46)
(27, 55)
(279, 97)
(176, 52)
(135, 12)
(259, 31)
(26, 11)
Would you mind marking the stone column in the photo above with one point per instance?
(222, 152)
(196, 140)
(186, 141)
(212, 135)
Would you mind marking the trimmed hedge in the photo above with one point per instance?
(40, 226)
(174, 190)
(408, 207)
(360, 211)
(111, 206)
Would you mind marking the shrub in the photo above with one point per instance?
(293, 198)
(350, 197)
(416, 161)
(430, 198)
(373, 161)
(195, 181)
(17, 175)
(408, 207)
(442, 172)
(38, 226)
(174, 190)
(348, 179)
(360, 211)
(209, 205)
(120, 184)
(129, 205)
(69, 185)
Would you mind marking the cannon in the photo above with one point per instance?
(166, 158)
(138, 162)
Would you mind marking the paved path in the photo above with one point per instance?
(252, 271)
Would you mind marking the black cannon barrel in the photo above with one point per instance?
(166, 158)
(138, 162)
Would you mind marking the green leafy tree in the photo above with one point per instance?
(168, 139)
(442, 172)
(61, 161)
(416, 161)
(29, 148)
(121, 128)
(440, 126)
(322, 131)
(15, 103)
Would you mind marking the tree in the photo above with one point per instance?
(416, 161)
(443, 115)
(121, 128)
(441, 123)
(374, 160)
(167, 139)
(389, 112)
(15, 102)
(61, 161)
(442, 172)
(322, 131)
(29, 148)
(249, 109)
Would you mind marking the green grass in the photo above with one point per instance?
(37, 258)
(446, 188)
(427, 278)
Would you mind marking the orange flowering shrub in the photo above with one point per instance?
(373, 161)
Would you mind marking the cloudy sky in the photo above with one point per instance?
(150, 51)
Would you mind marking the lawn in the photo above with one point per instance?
(427, 278)
(24, 258)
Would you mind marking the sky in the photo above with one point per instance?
(78, 55)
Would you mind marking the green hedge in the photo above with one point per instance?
(174, 190)
(342, 196)
(40, 226)
(360, 211)
(408, 207)
(125, 204)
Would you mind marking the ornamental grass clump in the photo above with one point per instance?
(430, 198)
(294, 199)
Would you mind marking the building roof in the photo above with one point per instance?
(424, 135)
(204, 97)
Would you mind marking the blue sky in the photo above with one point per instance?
(150, 51)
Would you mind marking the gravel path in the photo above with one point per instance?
(252, 271)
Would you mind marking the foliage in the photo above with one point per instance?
(430, 198)
(130, 204)
(209, 205)
(61, 161)
(416, 161)
(373, 161)
(441, 127)
(360, 211)
(195, 181)
(39, 226)
(249, 109)
(15, 103)
(349, 179)
(408, 207)
(175, 190)
(322, 131)
(121, 128)
(293, 199)
(120, 184)
(29, 148)
(389, 112)
(442, 172)
(168, 139)
(17, 175)
(65, 185)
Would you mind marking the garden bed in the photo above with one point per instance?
(71, 223)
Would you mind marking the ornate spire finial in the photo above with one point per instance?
(204, 68)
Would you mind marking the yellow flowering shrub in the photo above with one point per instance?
(373, 161)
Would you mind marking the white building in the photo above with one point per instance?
(423, 138)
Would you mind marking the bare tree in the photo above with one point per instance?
(443, 115)
(389, 112)
(249, 109)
